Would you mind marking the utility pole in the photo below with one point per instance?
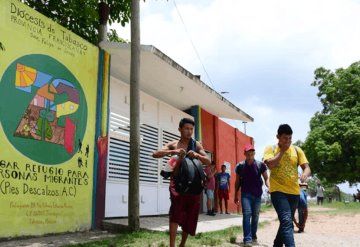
(133, 206)
(244, 126)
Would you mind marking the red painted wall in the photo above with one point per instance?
(226, 143)
(208, 131)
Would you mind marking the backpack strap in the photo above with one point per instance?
(297, 154)
(258, 164)
(191, 145)
(240, 166)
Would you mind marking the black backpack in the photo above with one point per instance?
(190, 177)
(240, 167)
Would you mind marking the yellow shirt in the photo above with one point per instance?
(284, 177)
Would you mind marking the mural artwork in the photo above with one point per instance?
(48, 96)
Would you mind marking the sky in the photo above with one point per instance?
(263, 52)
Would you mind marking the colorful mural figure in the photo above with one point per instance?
(46, 108)
(54, 99)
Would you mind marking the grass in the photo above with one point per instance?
(265, 207)
(134, 239)
(146, 238)
(341, 207)
(338, 207)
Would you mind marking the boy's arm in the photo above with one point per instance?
(229, 185)
(237, 187)
(200, 154)
(213, 172)
(169, 149)
(306, 172)
(266, 179)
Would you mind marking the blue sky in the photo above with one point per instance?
(263, 52)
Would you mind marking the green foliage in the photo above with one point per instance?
(114, 37)
(311, 191)
(81, 16)
(333, 144)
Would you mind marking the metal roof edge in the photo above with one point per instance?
(191, 76)
(152, 49)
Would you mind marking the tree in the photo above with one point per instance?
(82, 16)
(114, 37)
(333, 143)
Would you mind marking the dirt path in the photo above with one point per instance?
(322, 229)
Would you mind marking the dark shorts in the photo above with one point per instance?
(184, 210)
(223, 194)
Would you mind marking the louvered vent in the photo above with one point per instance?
(119, 150)
(149, 171)
(119, 147)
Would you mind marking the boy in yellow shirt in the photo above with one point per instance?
(283, 160)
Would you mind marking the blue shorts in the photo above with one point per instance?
(210, 194)
(303, 199)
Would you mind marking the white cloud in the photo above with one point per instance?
(267, 121)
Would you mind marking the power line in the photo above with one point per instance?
(193, 45)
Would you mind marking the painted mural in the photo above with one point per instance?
(48, 93)
(47, 109)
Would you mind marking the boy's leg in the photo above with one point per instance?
(246, 211)
(301, 219)
(226, 206)
(220, 205)
(226, 198)
(184, 236)
(172, 231)
(256, 204)
(305, 215)
(208, 204)
(285, 206)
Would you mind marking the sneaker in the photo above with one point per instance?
(254, 239)
(301, 230)
(227, 213)
(248, 244)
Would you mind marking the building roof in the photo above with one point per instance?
(163, 78)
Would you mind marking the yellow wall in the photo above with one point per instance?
(44, 188)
